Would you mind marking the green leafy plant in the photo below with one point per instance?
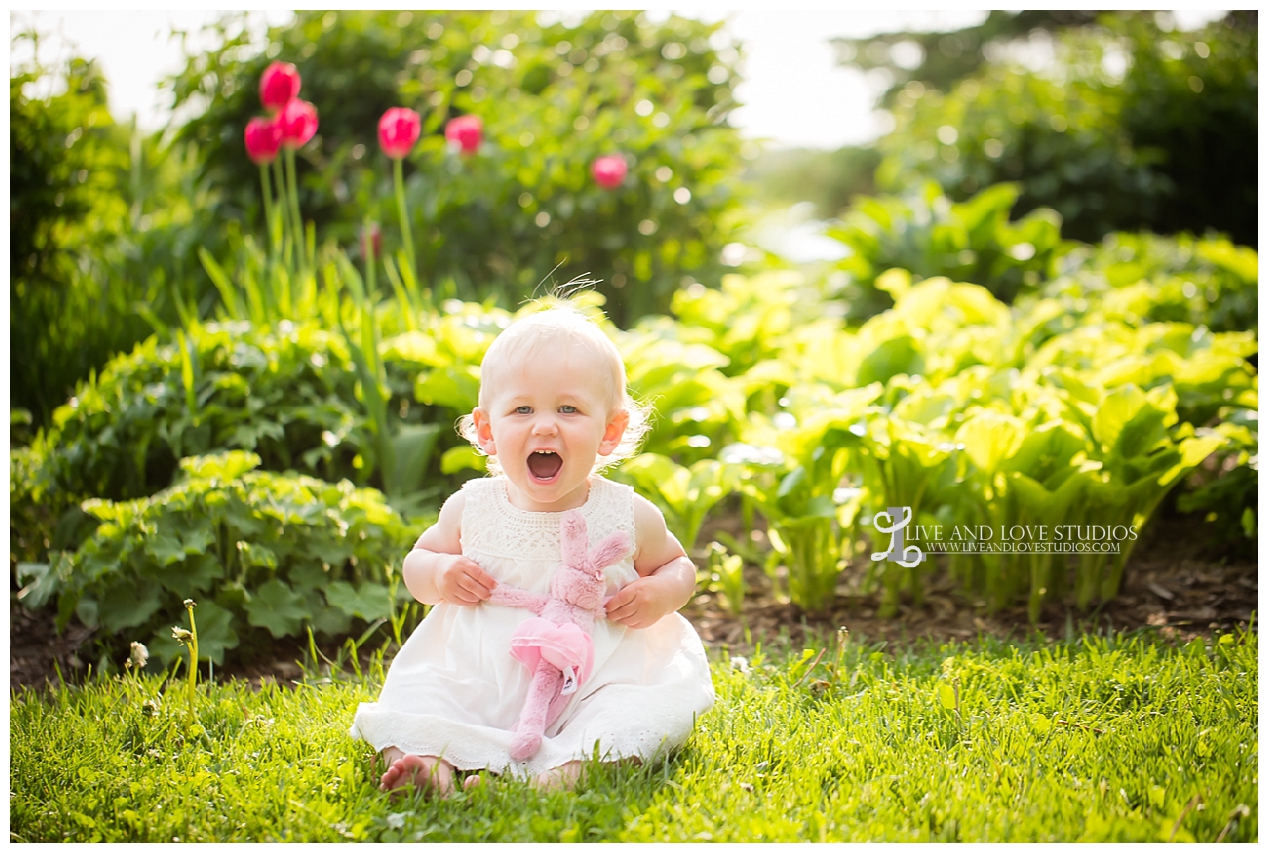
(725, 574)
(1139, 278)
(928, 234)
(264, 552)
(684, 495)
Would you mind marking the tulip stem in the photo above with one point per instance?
(268, 207)
(407, 242)
(283, 212)
(296, 219)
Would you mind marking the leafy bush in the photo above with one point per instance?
(928, 235)
(971, 413)
(288, 395)
(552, 97)
(1132, 128)
(256, 551)
(1145, 278)
(105, 222)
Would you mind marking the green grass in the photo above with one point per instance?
(1102, 738)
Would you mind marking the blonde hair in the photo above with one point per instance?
(552, 321)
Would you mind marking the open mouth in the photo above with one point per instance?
(544, 465)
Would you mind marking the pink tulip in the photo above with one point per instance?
(298, 120)
(278, 86)
(465, 132)
(609, 171)
(263, 138)
(399, 129)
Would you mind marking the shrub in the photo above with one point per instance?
(256, 551)
(927, 234)
(288, 395)
(1145, 278)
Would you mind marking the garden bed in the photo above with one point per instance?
(1172, 584)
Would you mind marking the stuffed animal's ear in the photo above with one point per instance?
(610, 550)
(573, 538)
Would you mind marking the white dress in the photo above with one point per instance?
(455, 691)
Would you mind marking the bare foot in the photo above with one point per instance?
(425, 772)
(563, 777)
(475, 780)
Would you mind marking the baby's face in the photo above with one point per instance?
(546, 419)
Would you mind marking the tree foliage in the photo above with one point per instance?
(1132, 126)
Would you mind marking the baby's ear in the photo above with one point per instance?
(483, 431)
(614, 431)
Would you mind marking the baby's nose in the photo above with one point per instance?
(545, 425)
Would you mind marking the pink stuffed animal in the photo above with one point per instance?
(555, 645)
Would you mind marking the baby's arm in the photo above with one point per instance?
(436, 571)
(666, 580)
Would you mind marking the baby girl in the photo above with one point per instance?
(553, 411)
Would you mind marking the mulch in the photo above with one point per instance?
(1173, 585)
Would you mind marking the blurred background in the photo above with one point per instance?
(804, 110)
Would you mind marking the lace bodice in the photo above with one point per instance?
(522, 547)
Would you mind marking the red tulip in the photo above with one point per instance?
(278, 86)
(399, 129)
(609, 171)
(298, 120)
(465, 132)
(263, 138)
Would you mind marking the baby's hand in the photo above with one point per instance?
(461, 581)
(641, 603)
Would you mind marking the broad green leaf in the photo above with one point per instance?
(890, 358)
(412, 447)
(454, 387)
(413, 346)
(275, 607)
(369, 602)
(1114, 412)
(127, 605)
(229, 465)
(456, 459)
(257, 555)
(1192, 452)
(989, 437)
(37, 584)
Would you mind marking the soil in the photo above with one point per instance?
(1172, 585)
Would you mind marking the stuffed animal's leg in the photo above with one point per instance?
(547, 681)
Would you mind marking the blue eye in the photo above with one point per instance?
(568, 410)
(523, 410)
